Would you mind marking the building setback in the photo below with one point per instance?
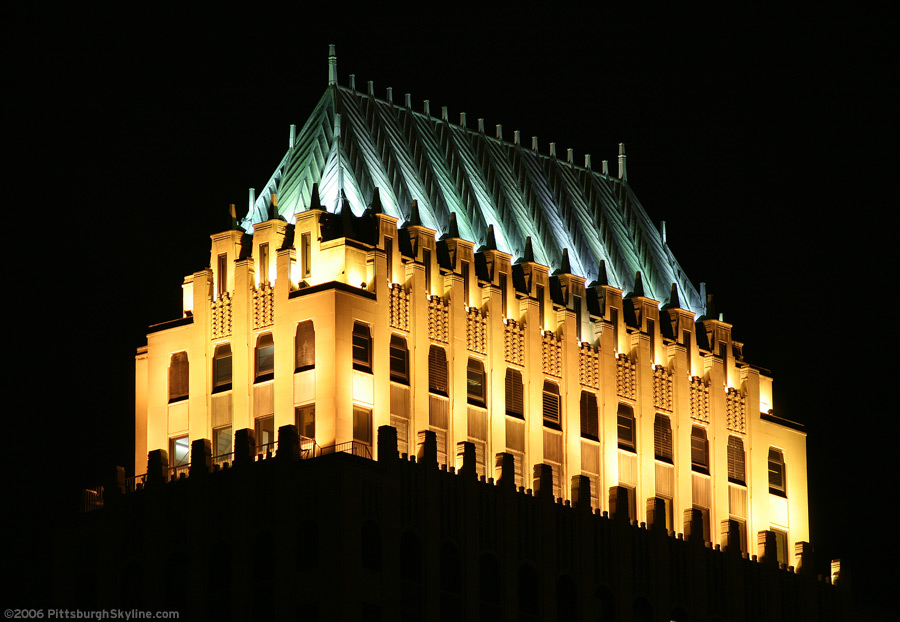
(564, 403)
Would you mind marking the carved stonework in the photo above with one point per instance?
(263, 306)
(699, 400)
(551, 354)
(589, 366)
(514, 343)
(399, 307)
(438, 320)
(626, 377)
(663, 398)
(475, 331)
(734, 411)
(220, 314)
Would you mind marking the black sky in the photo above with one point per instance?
(766, 139)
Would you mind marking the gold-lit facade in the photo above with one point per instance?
(333, 308)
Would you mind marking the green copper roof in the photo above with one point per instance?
(356, 142)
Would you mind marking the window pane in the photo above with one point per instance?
(362, 347)
(776, 472)
(399, 360)
(265, 433)
(589, 415)
(265, 355)
(662, 438)
(437, 370)
(222, 441)
(736, 460)
(178, 376)
(305, 346)
(222, 366)
(306, 420)
(475, 382)
(179, 451)
(362, 425)
(551, 403)
(625, 425)
(699, 449)
(514, 394)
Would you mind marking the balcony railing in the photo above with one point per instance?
(357, 448)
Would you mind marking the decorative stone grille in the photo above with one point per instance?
(263, 306)
(735, 404)
(399, 307)
(663, 397)
(551, 354)
(220, 316)
(514, 343)
(626, 377)
(589, 366)
(476, 328)
(438, 320)
(699, 400)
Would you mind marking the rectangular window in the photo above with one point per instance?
(589, 416)
(475, 391)
(551, 405)
(651, 331)
(465, 276)
(178, 377)
(305, 255)
(540, 297)
(265, 434)
(781, 546)
(305, 417)
(362, 425)
(736, 460)
(662, 438)
(437, 371)
(514, 394)
(399, 360)
(179, 452)
(389, 253)
(426, 259)
(504, 309)
(577, 303)
(699, 450)
(265, 357)
(305, 346)
(221, 442)
(222, 276)
(263, 263)
(362, 347)
(777, 480)
(625, 428)
(222, 368)
(614, 320)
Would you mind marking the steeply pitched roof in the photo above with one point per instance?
(354, 142)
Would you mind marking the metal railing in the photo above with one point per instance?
(357, 448)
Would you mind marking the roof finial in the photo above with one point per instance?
(462, 119)
(332, 65)
(604, 167)
(570, 155)
(251, 198)
(601, 275)
(674, 300)
(292, 136)
(413, 219)
(587, 160)
(499, 132)
(375, 206)
(232, 211)
(527, 252)
(516, 137)
(534, 145)
(564, 266)
(390, 94)
(453, 226)
(623, 174)
(490, 242)
(427, 108)
(552, 149)
(638, 284)
(314, 201)
(371, 87)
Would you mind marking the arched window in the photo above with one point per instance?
(551, 405)
(305, 346)
(437, 370)
(178, 377)
(662, 438)
(736, 460)
(265, 357)
(475, 391)
(399, 360)
(514, 394)
(362, 347)
(777, 477)
(222, 368)
(625, 428)
(699, 450)
(590, 420)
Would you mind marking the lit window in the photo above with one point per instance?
(305, 346)
(589, 415)
(662, 438)
(551, 404)
(263, 263)
(475, 382)
(222, 276)
(625, 428)
(178, 377)
(777, 480)
(179, 452)
(699, 450)
(736, 460)
(362, 347)
(781, 546)
(265, 357)
(437, 370)
(399, 360)
(222, 368)
(514, 394)
(305, 417)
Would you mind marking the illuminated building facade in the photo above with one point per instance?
(516, 312)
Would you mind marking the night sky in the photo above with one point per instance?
(765, 139)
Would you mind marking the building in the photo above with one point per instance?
(516, 318)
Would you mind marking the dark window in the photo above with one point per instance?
(465, 276)
(777, 479)
(577, 304)
(514, 394)
(305, 346)
(540, 297)
(305, 255)
(651, 331)
(178, 377)
(265, 434)
(389, 253)
(437, 370)
(222, 276)
(504, 311)
(736, 460)
(426, 259)
(551, 404)
(625, 425)
(305, 417)
(362, 425)
(221, 441)
(662, 438)
(475, 382)
(265, 357)
(362, 347)
(590, 425)
(781, 546)
(222, 368)
(399, 360)
(699, 450)
(614, 320)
